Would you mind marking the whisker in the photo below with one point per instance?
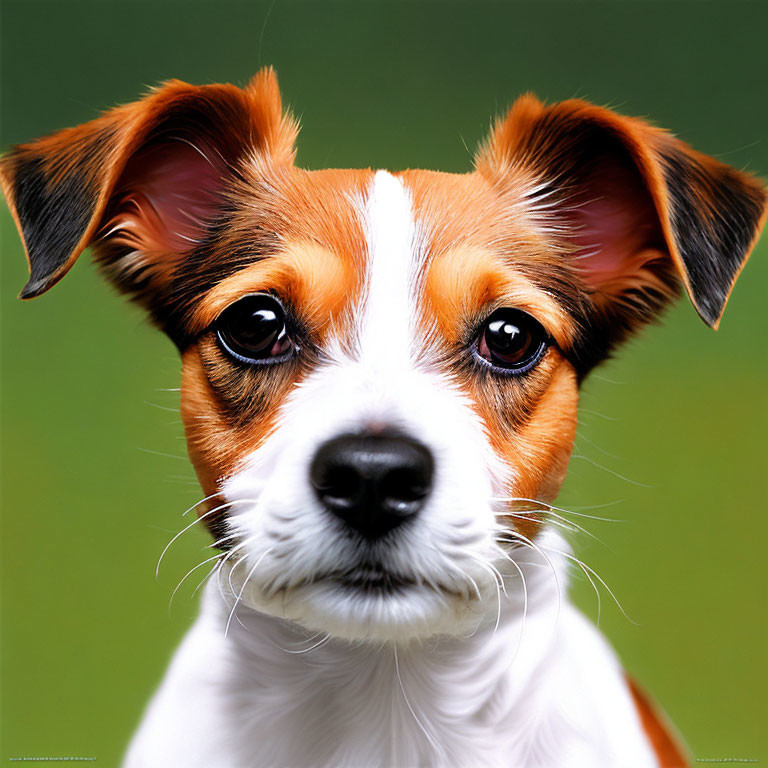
(321, 642)
(594, 573)
(216, 568)
(242, 589)
(597, 593)
(598, 448)
(220, 556)
(558, 520)
(231, 587)
(223, 562)
(525, 604)
(498, 604)
(598, 414)
(611, 471)
(161, 407)
(222, 540)
(163, 454)
(498, 582)
(518, 538)
(548, 506)
(430, 739)
(207, 498)
(186, 528)
(187, 575)
(231, 571)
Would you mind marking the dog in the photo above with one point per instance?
(379, 392)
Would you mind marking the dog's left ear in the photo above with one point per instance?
(634, 208)
(143, 182)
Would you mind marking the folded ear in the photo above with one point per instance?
(635, 209)
(142, 182)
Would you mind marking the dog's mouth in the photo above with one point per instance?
(371, 579)
(379, 581)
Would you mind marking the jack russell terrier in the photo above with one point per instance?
(380, 382)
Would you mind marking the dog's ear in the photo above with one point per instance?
(141, 182)
(636, 209)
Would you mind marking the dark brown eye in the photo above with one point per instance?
(511, 341)
(252, 330)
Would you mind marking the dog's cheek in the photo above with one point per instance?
(533, 434)
(544, 445)
(215, 447)
(202, 426)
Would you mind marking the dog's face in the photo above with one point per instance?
(380, 371)
(372, 398)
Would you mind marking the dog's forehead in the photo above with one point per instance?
(382, 246)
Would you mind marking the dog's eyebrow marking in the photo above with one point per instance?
(463, 280)
(384, 333)
(305, 273)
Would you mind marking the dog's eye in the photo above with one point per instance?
(253, 330)
(511, 341)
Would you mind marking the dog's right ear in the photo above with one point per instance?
(142, 181)
(634, 211)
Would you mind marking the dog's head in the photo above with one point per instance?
(380, 371)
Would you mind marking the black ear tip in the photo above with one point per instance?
(709, 312)
(712, 321)
(34, 288)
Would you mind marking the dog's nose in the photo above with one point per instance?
(372, 482)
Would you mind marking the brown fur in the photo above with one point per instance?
(665, 743)
(95, 154)
(583, 218)
(551, 142)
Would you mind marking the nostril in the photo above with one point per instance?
(338, 486)
(372, 482)
(402, 488)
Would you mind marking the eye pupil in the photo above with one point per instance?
(512, 340)
(260, 329)
(253, 329)
(505, 338)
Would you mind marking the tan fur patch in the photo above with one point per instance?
(305, 274)
(466, 280)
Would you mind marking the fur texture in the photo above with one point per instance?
(449, 641)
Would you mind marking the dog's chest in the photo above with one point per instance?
(263, 696)
(361, 706)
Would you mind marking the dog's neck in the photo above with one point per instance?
(408, 702)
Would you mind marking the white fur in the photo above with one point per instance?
(481, 662)
(258, 697)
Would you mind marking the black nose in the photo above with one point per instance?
(373, 483)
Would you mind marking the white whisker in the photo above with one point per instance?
(187, 575)
(242, 589)
(518, 538)
(429, 736)
(610, 471)
(594, 573)
(318, 644)
(185, 529)
(197, 504)
(525, 603)
(550, 507)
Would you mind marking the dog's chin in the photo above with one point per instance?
(377, 608)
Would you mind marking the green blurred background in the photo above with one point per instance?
(673, 434)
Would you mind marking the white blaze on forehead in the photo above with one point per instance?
(385, 327)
